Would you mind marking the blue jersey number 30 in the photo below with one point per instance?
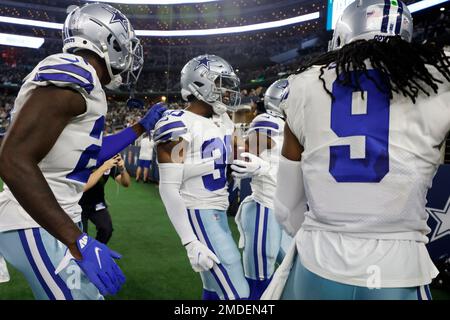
(373, 124)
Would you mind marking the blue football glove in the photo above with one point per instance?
(98, 264)
(152, 116)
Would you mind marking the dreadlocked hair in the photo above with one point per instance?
(401, 64)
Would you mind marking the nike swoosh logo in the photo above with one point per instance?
(97, 251)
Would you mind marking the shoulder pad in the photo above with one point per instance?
(266, 123)
(65, 70)
(170, 127)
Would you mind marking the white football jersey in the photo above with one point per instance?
(68, 164)
(367, 166)
(207, 138)
(264, 186)
(146, 149)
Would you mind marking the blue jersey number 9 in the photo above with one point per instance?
(373, 124)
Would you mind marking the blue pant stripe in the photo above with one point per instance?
(190, 221)
(41, 280)
(264, 239)
(221, 267)
(209, 245)
(428, 293)
(255, 244)
(49, 265)
(419, 296)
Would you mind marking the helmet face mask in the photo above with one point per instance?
(136, 63)
(211, 79)
(228, 90)
(372, 19)
(108, 33)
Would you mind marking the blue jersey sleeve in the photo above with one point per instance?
(171, 127)
(65, 70)
(265, 123)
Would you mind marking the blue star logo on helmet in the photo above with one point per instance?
(117, 16)
(203, 62)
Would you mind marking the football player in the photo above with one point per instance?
(364, 125)
(51, 146)
(260, 232)
(193, 147)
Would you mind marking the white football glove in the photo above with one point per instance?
(255, 167)
(200, 257)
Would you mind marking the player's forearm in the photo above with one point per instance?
(177, 212)
(17, 173)
(290, 198)
(171, 177)
(114, 144)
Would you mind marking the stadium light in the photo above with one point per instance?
(424, 4)
(21, 41)
(33, 23)
(180, 33)
(154, 2)
(217, 31)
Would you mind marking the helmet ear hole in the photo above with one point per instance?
(116, 46)
(338, 41)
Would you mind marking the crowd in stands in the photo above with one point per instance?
(6, 105)
(164, 62)
(120, 116)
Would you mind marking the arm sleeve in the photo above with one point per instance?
(293, 107)
(65, 71)
(171, 177)
(290, 197)
(113, 144)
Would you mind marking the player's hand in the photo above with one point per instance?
(98, 264)
(200, 257)
(152, 116)
(254, 167)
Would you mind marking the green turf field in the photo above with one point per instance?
(154, 261)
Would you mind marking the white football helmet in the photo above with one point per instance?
(276, 93)
(211, 79)
(372, 19)
(107, 32)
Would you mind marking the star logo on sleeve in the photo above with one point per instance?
(117, 16)
(203, 62)
(442, 218)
